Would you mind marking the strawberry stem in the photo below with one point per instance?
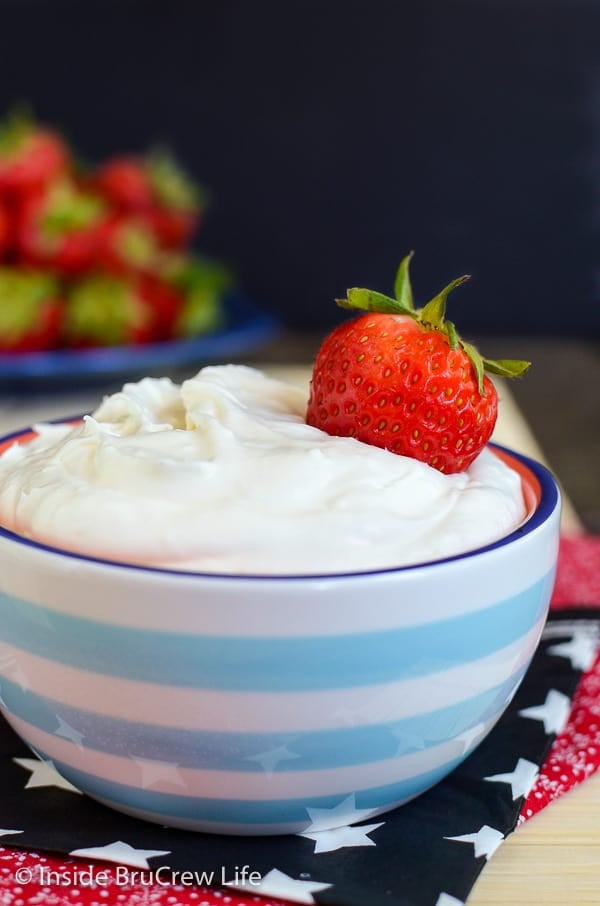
(369, 300)
(402, 286)
(104, 309)
(431, 317)
(15, 130)
(477, 363)
(68, 209)
(435, 310)
(22, 295)
(172, 186)
(450, 331)
(508, 368)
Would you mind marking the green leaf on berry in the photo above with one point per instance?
(137, 245)
(22, 293)
(508, 368)
(369, 300)
(450, 331)
(67, 209)
(103, 309)
(431, 317)
(402, 286)
(203, 284)
(15, 130)
(477, 363)
(172, 186)
(434, 312)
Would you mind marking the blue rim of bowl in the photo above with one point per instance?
(549, 500)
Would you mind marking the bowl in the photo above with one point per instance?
(269, 704)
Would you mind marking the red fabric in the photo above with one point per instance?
(575, 755)
(26, 880)
(578, 576)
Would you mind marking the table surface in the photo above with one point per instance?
(554, 859)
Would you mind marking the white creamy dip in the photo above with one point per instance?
(221, 474)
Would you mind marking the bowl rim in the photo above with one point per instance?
(545, 490)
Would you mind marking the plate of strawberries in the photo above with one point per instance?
(96, 272)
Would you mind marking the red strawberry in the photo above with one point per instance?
(173, 229)
(60, 228)
(30, 156)
(402, 379)
(157, 191)
(124, 182)
(165, 303)
(178, 201)
(127, 245)
(203, 285)
(31, 311)
(105, 310)
(5, 231)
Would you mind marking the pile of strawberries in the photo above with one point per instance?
(97, 257)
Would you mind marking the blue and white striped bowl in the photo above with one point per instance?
(269, 705)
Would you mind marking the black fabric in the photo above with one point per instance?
(411, 863)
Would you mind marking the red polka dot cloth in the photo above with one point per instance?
(61, 848)
(575, 754)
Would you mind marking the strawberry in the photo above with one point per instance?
(124, 182)
(30, 156)
(157, 191)
(401, 378)
(5, 231)
(172, 229)
(31, 311)
(203, 285)
(127, 245)
(110, 310)
(164, 302)
(61, 228)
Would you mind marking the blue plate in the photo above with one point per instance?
(245, 328)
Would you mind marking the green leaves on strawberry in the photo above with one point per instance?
(106, 310)
(60, 228)
(31, 311)
(172, 187)
(402, 378)
(203, 285)
(128, 246)
(31, 156)
(432, 316)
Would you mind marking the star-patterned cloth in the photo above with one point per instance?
(427, 853)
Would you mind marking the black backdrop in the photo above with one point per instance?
(337, 134)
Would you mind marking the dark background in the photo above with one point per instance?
(337, 134)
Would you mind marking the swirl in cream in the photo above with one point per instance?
(222, 474)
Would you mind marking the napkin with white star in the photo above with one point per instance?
(426, 853)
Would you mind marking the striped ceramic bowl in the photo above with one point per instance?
(261, 705)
